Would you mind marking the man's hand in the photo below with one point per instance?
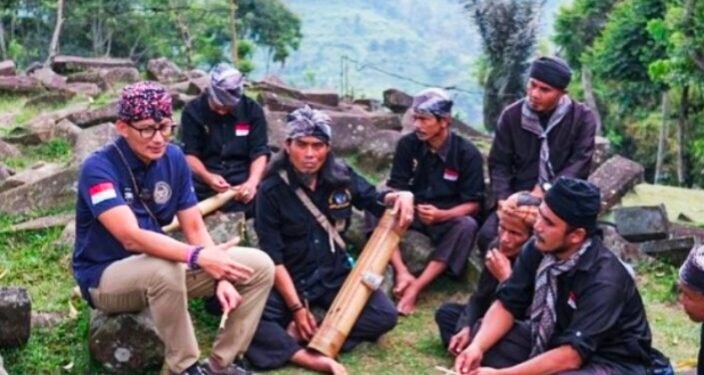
(459, 341)
(305, 323)
(217, 182)
(228, 296)
(538, 192)
(485, 371)
(402, 207)
(429, 214)
(246, 191)
(498, 264)
(468, 360)
(215, 261)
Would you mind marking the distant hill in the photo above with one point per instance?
(431, 42)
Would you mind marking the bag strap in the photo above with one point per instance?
(319, 216)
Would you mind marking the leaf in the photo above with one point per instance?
(69, 366)
(72, 312)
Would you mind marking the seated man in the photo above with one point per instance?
(458, 322)
(444, 172)
(225, 141)
(691, 287)
(585, 315)
(311, 263)
(539, 138)
(123, 261)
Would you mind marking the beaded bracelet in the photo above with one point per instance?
(193, 257)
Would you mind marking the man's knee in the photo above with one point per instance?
(467, 225)
(257, 260)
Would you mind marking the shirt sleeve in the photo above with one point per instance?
(365, 196)
(598, 309)
(98, 187)
(580, 159)
(193, 133)
(402, 166)
(472, 176)
(480, 301)
(500, 157)
(258, 140)
(516, 293)
(267, 224)
(187, 196)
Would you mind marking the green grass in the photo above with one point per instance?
(57, 150)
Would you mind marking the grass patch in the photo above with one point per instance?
(57, 150)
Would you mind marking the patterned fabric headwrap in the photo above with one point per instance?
(226, 85)
(306, 121)
(433, 101)
(144, 100)
(692, 270)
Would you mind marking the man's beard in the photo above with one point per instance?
(306, 178)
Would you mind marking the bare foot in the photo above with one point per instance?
(403, 281)
(336, 368)
(312, 360)
(407, 304)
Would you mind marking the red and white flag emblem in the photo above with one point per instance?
(572, 300)
(102, 192)
(242, 129)
(451, 174)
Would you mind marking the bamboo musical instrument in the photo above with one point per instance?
(205, 207)
(366, 277)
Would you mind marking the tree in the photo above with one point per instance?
(508, 29)
(271, 25)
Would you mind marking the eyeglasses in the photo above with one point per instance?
(149, 132)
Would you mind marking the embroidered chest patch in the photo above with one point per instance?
(451, 174)
(242, 129)
(162, 192)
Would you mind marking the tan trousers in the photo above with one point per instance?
(141, 281)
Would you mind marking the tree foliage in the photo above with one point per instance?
(508, 29)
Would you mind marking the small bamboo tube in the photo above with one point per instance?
(355, 293)
(205, 207)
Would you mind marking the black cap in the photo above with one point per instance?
(553, 71)
(575, 201)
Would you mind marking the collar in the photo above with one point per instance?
(588, 258)
(133, 161)
(444, 149)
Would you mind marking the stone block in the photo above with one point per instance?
(644, 223)
(15, 317)
(673, 250)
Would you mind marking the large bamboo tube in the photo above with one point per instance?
(358, 287)
(205, 207)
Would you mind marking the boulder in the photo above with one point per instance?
(626, 251)
(350, 131)
(47, 319)
(415, 251)
(681, 230)
(20, 85)
(94, 116)
(276, 128)
(165, 71)
(91, 76)
(65, 129)
(377, 153)
(251, 238)
(356, 233)
(7, 68)
(615, 178)
(222, 227)
(49, 98)
(386, 121)
(4, 172)
(91, 139)
(68, 235)
(50, 79)
(397, 101)
(113, 76)
(44, 222)
(645, 223)
(197, 85)
(7, 150)
(65, 63)
(277, 102)
(602, 151)
(275, 85)
(328, 98)
(84, 88)
(30, 176)
(125, 343)
(15, 317)
(673, 250)
(371, 105)
(51, 191)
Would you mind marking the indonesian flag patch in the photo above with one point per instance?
(242, 129)
(572, 300)
(102, 192)
(451, 174)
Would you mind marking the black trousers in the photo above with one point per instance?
(446, 318)
(272, 347)
(488, 232)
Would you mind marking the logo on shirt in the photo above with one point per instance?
(162, 192)
(242, 129)
(451, 174)
(572, 300)
(340, 199)
(101, 192)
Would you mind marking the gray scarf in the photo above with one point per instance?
(531, 123)
(542, 310)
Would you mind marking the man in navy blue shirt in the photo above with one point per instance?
(225, 141)
(311, 265)
(123, 261)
